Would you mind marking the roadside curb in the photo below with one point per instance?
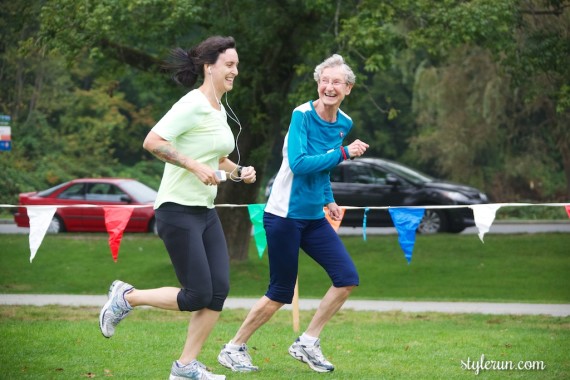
(556, 310)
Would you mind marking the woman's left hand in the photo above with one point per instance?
(248, 174)
(334, 211)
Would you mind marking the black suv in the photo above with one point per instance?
(368, 182)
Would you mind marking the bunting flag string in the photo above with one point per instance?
(431, 207)
(117, 217)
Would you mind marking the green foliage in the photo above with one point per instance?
(447, 24)
(148, 172)
(459, 109)
(533, 213)
(492, 71)
(70, 120)
(146, 25)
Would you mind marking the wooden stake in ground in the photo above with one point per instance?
(295, 305)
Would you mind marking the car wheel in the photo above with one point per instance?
(433, 221)
(56, 225)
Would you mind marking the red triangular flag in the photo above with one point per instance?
(116, 219)
(335, 223)
(568, 210)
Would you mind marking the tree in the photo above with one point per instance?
(57, 110)
(138, 33)
(529, 46)
(464, 72)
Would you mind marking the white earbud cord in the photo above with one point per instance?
(233, 174)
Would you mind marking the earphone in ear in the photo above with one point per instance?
(210, 70)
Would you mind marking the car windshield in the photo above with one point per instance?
(140, 191)
(45, 193)
(407, 173)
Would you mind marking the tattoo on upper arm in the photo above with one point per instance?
(168, 154)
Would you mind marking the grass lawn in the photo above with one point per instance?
(65, 343)
(507, 268)
(61, 343)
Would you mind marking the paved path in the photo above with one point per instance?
(558, 310)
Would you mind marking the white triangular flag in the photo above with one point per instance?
(484, 217)
(40, 219)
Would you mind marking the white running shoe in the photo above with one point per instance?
(194, 371)
(312, 355)
(237, 360)
(116, 309)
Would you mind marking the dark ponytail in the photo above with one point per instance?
(186, 66)
(182, 67)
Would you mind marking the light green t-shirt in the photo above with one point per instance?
(201, 132)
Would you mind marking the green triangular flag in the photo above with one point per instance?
(256, 217)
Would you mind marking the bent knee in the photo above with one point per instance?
(345, 289)
(189, 300)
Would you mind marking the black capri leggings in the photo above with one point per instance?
(195, 241)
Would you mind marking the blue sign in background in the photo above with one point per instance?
(5, 145)
(5, 122)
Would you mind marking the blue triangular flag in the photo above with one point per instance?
(406, 221)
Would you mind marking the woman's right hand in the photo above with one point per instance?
(205, 174)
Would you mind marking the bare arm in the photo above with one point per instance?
(164, 151)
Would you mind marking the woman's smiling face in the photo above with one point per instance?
(225, 70)
(332, 86)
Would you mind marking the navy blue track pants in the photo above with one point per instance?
(318, 239)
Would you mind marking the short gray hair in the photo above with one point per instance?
(334, 61)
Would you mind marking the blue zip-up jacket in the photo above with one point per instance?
(312, 147)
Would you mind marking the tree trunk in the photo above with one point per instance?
(566, 164)
(563, 132)
(235, 220)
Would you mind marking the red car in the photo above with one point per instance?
(92, 191)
